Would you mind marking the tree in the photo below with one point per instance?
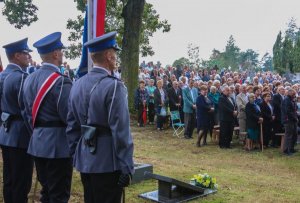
(181, 62)
(296, 56)
(287, 58)
(291, 31)
(277, 54)
(20, 12)
(151, 23)
(248, 59)
(266, 62)
(132, 14)
(231, 53)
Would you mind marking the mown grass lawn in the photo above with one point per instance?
(241, 176)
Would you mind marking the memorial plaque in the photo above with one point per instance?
(140, 169)
(174, 191)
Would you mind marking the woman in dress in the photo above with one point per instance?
(253, 120)
(204, 108)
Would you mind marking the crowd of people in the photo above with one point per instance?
(211, 97)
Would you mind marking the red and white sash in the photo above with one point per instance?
(45, 88)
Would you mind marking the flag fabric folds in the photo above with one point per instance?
(99, 9)
(83, 66)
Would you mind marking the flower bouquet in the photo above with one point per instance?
(204, 181)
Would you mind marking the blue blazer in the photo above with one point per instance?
(12, 80)
(48, 142)
(108, 107)
(188, 100)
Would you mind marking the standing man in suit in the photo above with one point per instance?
(46, 93)
(98, 126)
(189, 95)
(14, 134)
(175, 97)
(227, 115)
(290, 120)
(278, 127)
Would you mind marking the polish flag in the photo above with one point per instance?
(99, 17)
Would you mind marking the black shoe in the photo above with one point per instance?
(186, 137)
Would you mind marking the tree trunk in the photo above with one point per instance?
(132, 14)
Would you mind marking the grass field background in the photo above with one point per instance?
(241, 176)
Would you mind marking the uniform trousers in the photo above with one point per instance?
(101, 187)
(55, 176)
(17, 174)
(226, 131)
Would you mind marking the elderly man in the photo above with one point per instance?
(227, 115)
(289, 119)
(241, 101)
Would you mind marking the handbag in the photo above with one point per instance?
(163, 111)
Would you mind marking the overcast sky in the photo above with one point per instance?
(206, 23)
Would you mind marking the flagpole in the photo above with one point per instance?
(90, 28)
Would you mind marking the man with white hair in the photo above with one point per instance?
(227, 115)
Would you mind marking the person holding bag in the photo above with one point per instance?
(161, 101)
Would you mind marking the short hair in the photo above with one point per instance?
(255, 88)
(212, 88)
(265, 94)
(98, 57)
(203, 87)
(141, 81)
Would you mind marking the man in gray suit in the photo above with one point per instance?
(14, 134)
(98, 126)
(46, 93)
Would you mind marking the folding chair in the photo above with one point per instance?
(178, 127)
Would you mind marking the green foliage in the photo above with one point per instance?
(266, 62)
(248, 59)
(181, 62)
(151, 23)
(296, 56)
(20, 12)
(231, 54)
(277, 54)
(287, 51)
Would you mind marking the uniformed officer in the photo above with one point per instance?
(14, 135)
(46, 92)
(98, 126)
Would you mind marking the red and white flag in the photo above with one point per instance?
(98, 17)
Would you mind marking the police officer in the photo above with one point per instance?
(14, 135)
(46, 93)
(98, 126)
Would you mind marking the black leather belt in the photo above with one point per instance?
(50, 124)
(102, 131)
